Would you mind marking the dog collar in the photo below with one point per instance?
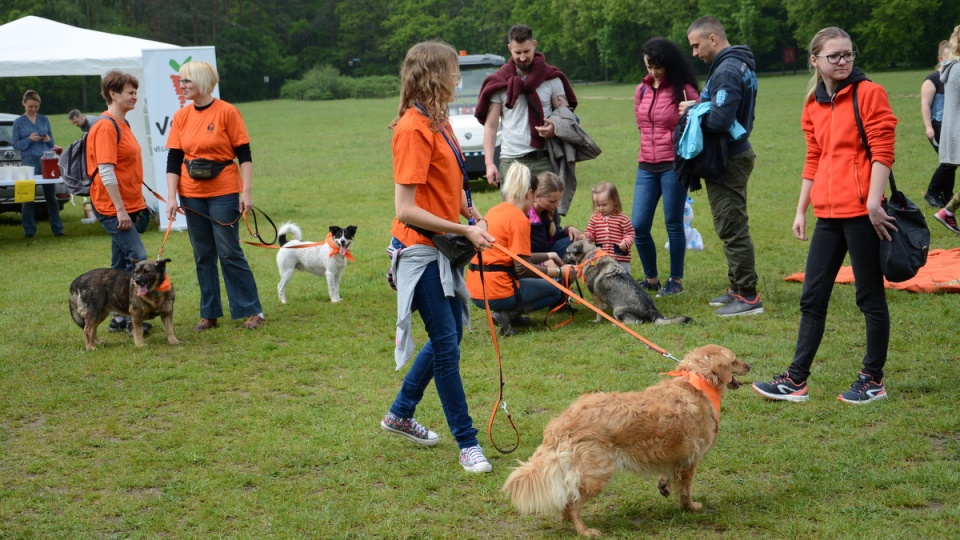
(337, 249)
(703, 385)
(592, 260)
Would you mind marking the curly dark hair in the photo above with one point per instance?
(662, 52)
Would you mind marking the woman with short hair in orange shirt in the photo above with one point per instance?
(204, 140)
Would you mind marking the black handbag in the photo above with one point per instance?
(205, 169)
(455, 247)
(906, 252)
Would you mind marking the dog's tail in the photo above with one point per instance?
(673, 320)
(289, 231)
(543, 485)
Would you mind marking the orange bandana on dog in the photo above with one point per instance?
(337, 249)
(592, 260)
(703, 385)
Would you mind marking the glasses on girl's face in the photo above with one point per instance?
(835, 58)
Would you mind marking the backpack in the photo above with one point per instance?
(73, 164)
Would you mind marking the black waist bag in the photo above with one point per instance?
(456, 248)
(205, 169)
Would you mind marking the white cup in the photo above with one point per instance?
(26, 173)
(6, 174)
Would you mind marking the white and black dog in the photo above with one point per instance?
(329, 259)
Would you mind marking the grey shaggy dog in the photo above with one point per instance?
(613, 288)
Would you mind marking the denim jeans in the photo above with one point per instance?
(648, 189)
(212, 242)
(832, 239)
(438, 359)
(28, 216)
(728, 205)
(126, 245)
(535, 294)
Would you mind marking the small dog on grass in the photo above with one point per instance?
(664, 430)
(613, 288)
(328, 260)
(142, 294)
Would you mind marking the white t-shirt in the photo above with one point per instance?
(515, 124)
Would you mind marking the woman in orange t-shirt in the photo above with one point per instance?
(512, 289)
(211, 132)
(117, 171)
(428, 194)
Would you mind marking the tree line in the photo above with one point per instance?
(263, 43)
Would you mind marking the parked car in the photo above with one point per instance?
(474, 69)
(10, 157)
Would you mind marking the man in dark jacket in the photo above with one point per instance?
(731, 89)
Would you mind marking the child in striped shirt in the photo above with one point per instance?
(609, 228)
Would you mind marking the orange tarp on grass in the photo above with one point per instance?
(941, 274)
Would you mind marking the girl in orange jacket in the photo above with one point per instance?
(845, 187)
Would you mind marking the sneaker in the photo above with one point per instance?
(723, 299)
(864, 390)
(129, 328)
(88, 220)
(502, 319)
(473, 460)
(782, 388)
(118, 325)
(933, 200)
(649, 287)
(409, 428)
(741, 306)
(948, 221)
(672, 288)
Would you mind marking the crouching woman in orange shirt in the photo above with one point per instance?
(211, 130)
(512, 289)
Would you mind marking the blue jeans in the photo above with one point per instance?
(28, 216)
(126, 245)
(212, 242)
(832, 240)
(438, 359)
(648, 189)
(535, 294)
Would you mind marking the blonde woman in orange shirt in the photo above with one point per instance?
(205, 138)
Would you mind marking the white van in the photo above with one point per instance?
(474, 69)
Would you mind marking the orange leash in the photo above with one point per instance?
(570, 293)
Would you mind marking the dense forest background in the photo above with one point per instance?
(593, 40)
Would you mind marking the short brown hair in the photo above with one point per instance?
(519, 33)
(115, 81)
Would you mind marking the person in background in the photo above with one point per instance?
(78, 119)
(609, 228)
(32, 137)
(512, 289)
(210, 134)
(931, 110)
(950, 131)
(546, 234)
(429, 195)
(117, 171)
(517, 101)
(669, 81)
(845, 187)
(731, 90)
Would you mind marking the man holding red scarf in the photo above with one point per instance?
(523, 93)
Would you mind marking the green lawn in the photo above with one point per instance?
(274, 433)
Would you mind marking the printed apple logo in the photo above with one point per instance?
(175, 79)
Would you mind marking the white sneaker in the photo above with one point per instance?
(473, 460)
(88, 220)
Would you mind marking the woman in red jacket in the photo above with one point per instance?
(656, 104)
(845, 187)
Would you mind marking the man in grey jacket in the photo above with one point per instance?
(731, 89)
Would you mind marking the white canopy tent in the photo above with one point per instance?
(34, 46)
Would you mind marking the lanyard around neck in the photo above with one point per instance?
(455, 146)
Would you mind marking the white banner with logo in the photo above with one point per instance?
(161, 82)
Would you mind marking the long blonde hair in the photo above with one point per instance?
(955, 43)
(816, 45)
(425, 79)
(549, 183)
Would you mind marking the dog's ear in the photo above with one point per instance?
(133, 262)
(165, 261)
(334, 230)
(351, 230)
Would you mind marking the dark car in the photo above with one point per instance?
(474, 69)
(10, 157)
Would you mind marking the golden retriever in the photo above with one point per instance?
(664, 430)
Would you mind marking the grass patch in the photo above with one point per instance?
(274, 433)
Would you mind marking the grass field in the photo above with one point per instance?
(274, 433)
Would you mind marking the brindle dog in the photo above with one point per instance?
(613, 287)
(142, 294)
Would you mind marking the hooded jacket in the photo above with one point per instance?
(657, 114)
(836, 160)
(732, 89)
